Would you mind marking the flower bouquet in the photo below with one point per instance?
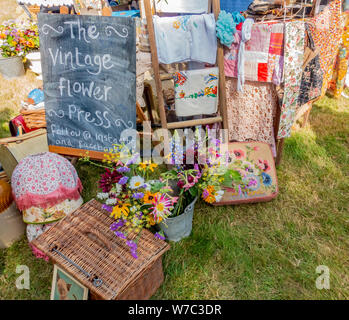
(190, 180)
(133, 199)
(202, 177)
(18, 40)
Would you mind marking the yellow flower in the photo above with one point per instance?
(31, 43)
(143, 166)
(120, 209)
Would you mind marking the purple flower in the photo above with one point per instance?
(134, 254)
(252, 182)
(159, 236)
(123, 180)
(123, 169)
(132, 245)
(116, 225)
(120, 234)
(107, 208)
(240, 191)
(138, 195)
(140, 215)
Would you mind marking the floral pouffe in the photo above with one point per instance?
(250, 175)
(46, 188)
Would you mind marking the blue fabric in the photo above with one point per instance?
(235, 5)
(225, 28)
(238, 17)
(127, 13)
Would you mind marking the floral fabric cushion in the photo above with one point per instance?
(36, 215)
(250, 175)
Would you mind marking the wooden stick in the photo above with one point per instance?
(220, 62)
(193, 123)
(155, 62)
(279, 151)
(95, 155)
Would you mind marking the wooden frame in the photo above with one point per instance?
(95, 155)
(155, 62)
(55, 279)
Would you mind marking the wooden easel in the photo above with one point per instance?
(222, 118)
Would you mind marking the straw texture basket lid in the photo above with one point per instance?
(85, 238)
(44, 180)
(5, 196)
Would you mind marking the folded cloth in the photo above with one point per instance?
(186, 38)
(182, 6)
(196, 92)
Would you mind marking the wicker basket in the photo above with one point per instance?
(34, 119)
(109, 270)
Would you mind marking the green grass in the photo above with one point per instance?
(257, 251)
(5, 116)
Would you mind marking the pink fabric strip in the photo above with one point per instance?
(48, 200)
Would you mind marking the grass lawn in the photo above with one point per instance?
(257, 251)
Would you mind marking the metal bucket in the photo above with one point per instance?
(12, 226)
(177, 228)
(11, 67)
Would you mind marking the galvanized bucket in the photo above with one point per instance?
(11, 67)
(177, 228)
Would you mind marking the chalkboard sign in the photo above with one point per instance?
(89, 74)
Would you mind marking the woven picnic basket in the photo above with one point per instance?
(34, 118)
(84, 246)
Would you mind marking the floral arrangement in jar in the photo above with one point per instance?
(18, 40)
(202, 177)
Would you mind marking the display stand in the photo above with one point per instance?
(222, 117)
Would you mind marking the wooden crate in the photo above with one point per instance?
(85, 238)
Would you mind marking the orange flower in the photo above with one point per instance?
(149, 197)
(2, 35)
(30, 43)
(176, 24)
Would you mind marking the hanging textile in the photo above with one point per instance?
(250, 114)
(336, 85)
(312, 77)
(293, 61)
(276, 54)
(196, 92)
(327, 31)
(263, 54)
(233, 5)
(185, 38)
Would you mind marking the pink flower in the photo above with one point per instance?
(239, 153)
(263, 165)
